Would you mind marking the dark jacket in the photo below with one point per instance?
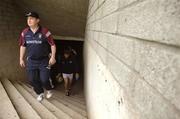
(37, 44)
(68, 65)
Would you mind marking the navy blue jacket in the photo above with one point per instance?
(37, 44)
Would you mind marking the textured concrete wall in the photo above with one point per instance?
(62, 17)
(132, 58)
(10, 27)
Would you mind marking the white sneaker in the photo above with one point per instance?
(49, 94)
(40, 97)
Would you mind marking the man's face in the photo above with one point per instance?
(32, 21)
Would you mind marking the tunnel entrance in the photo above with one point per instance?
(78, 85)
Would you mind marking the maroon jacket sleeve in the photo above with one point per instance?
(48, 35)
(21, 38)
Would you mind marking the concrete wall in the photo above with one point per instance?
(62, 17)
(10, 27)
(132, 59)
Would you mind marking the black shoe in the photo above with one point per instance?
(69, 91)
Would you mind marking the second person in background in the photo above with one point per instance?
(68, 68)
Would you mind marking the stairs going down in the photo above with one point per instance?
(18, 101)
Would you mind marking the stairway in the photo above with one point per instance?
(18, 101)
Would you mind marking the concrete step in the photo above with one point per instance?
(70, 100)
(23, 108)
(38, 107)
(80, 101)
(77, 92)
(79, 97)
(56, 111)
(61, 95)
(68, 108)
(71, 112)
(70, 105)
(7, 110)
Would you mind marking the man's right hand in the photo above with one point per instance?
(22, 63)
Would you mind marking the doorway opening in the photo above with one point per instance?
(78, 84)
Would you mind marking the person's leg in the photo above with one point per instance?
(66, 83)
(44, 77)
(33, 77)
(70, 76)
(51, 83)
